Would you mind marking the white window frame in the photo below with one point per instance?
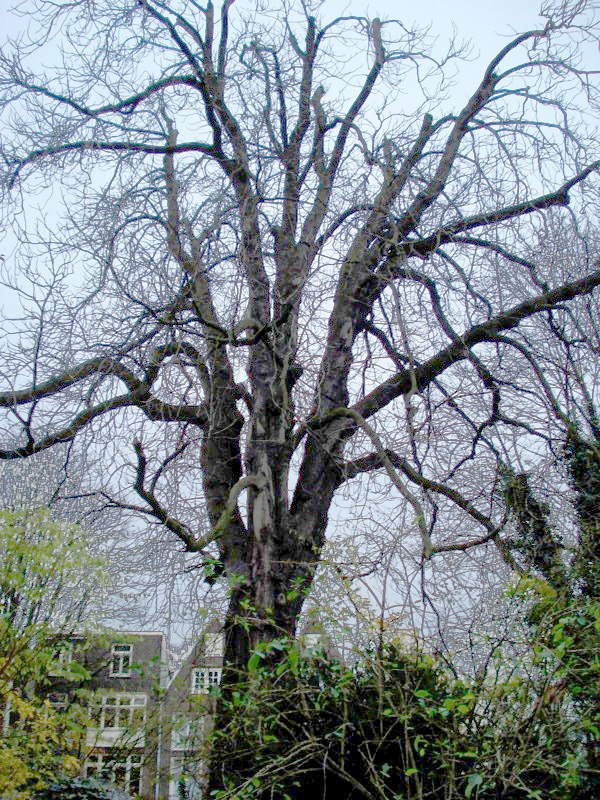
(192, 776)
(119, 654)
(64, 653)
(205, 677)
(104, 766)
(118, 709)
(188, 732)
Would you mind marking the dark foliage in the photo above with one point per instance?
(400, 727)
(78, 789)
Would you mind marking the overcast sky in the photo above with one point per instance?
(487, 24)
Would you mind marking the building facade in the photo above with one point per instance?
(148, 724)
(148, 721)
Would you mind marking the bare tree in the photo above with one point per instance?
(260, 265)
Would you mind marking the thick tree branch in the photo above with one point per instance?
(402, 383)
(156, 509)
(66, 434)
(560, 197)
(127, 106)
(153, 409)
(374, 461)
(114, 147)
(103, 365)
(386, 462)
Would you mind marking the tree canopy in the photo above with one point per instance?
(265, 268)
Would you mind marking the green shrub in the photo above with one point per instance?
(396, 727)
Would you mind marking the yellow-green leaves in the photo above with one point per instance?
(46, 576)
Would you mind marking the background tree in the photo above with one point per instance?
(46, 577)
(147, 573)
(260, 285)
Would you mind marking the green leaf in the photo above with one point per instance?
(253, 662)
(472, 782)
(294, 658)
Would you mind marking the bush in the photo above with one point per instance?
(398, 726)
(46, 573)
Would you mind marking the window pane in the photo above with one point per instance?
(121, 659)
(137, 718)
(135, 779)
(93, 766)
(198, 680)
(121, 776)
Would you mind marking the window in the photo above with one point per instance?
(126, 711)
(64, 653)
(187, 732)
(313, 640)
(9, 716)
(59, 701)
(204, 678)
(187, 780)
(63, 656)
(120, 665)
(123, 770)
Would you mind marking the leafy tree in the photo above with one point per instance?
(59, 479)
(260, 283)
(583, 459)
(46, 577)
(564, 607)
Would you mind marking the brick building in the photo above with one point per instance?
(148, 722)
